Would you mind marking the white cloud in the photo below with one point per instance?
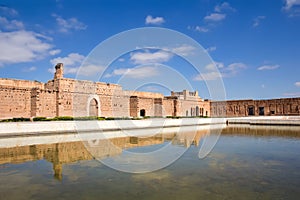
(8, 11)
(30, 69)
(117, 72)
(268, 67)
(257, 20)
(51, 70)
(211, 49)
(138, 73)
(66, 25)
(182, 50)
(19, 45)
(154, 20)
(235, 67)
(291, 3)
(232, 69)
(54, 52)
(86, 70)
(89, 70)
(33, 68)
(297, 84)
(72, 65)
(208, 76)
(214, 66)
(224, 7)
(219, 65)
(220, 13)
(212, 71)
(210, 67)
(148, 57)
(70, 60)
(215, 17)
(121, 59)
(22, 46)
(10, 24)
(201, 29)
(71, 70)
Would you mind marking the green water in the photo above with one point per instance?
(246, 163)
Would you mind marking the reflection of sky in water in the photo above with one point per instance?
(145, 160)
(147, 149)
(241, 166)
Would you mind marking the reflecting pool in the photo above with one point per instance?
(248, 162)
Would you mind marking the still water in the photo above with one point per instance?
(247, 162)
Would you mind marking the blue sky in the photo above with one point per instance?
(254, 44)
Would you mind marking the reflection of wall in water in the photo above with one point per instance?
(61, 153)
(247, 130)
(187, 139)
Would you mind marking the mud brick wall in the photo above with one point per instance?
(193, 108)
(205, 106)
(134, 106)
(168, 107)
(13, 83)
(46, 104)
(218, 108)
(79, 103)
(147, 104)
(143, 94)
(15, 102)
(240, 108)
(74, 98)
(120, 106)
(69, 97)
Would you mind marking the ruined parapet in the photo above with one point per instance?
(59, 71)
(20, 84)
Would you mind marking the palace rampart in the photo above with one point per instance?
(69, 97)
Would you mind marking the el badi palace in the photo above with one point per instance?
(69, 97)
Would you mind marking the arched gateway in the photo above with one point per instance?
(93, 106)
(93, 110)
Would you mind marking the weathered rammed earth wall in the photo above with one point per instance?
(69, 97)
(16, 97)
(15, 102)
(61, 97)
(271, 107)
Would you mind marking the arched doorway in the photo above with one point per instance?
(197, 111)
(93, 108)
(142, 113)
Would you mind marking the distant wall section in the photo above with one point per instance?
(269, 107)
